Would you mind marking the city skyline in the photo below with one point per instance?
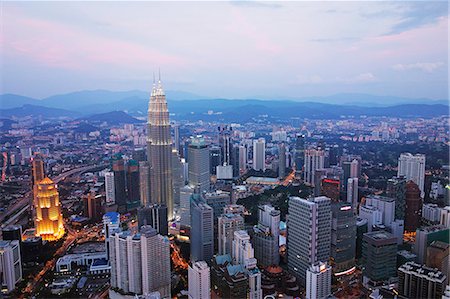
(249, 49)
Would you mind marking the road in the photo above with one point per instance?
(289, 178)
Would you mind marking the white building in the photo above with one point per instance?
(384, 204)
(242, 158)
(185, 205)
(109, 188)
(227, 225)
(445, 216)
(259, 154)
(111, 225)
(314, 159)
(412, 167)
(199, 281)
(318, 281)
(10, 265)
(372, 215)
(431, 213)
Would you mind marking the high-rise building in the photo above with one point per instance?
(120, 183)
(133, 188)
(139, 154)
(259, 154)
(318, 281)
(343, 238)
(419, 281)
(12, 232)
(49, 221)
(38, 169)
(215, 158)
(331, 189)
(361, 229)
(202, 231)
(177, 176)
(10, 265)
(314, 159)
(282, 160)
(412, 167)
(309, 237)
(225, 144)
(144, 183)
(243, 157)
(227, 225)
(372, 215)
(111, 225)
(154, 215)
(396, 188)
(217, 200)
(235, 160)
(385, 205)
(140, 264)
(199, 164)
(199, 281)
(266, 236)
(176, 137)
(228, 280)
(110, 188)
(413, 207)
(93, 208)
(185, 205)
(379, 255)
(159, 148)
(299, 152)
(426, 235)
(438, 256)
(352, 193)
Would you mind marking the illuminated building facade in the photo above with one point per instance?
(49, 222)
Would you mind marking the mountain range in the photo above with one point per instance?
(183, 105)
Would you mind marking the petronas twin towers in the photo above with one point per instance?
(159, 149)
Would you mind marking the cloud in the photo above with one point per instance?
(314, 79)
(361, 78)
(427, 67)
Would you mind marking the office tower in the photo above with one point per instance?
(133, 188)
(361, 229)
(314, 159)
(176, 137)
(385, 205)
(12, 232)
(438, 256)
(227, 225)
(243, 254)
(93, 208)
(217, 200)
(431, 214)
(225, 145)
(139, 155)
(215, 158)
(318, 281)
(413, 207)
(412, 167)
(309, 238)
(343, 238)
(140, 264)
(352, 193)
(159, 149)
(177, 176)
(419, 281)
(234, 160)
(379, 255)
(111, 225)
(397, 228)
(259, 154)
(199, 164)
(155, 262)
(266, 236)
(120, 183)
(10, 265)
(199, 281)
(243, 156)
(224, 172)
(372, 215)
(282, 160)
(110, 188)
(331, 189)
(38, 169)
(299, 152)
(154, 215)
(185, 205)
(202, 231)
(352, 169)
(425, 236)
(396, 188)
(144, 183)
(48, 222)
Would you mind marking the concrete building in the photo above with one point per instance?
(419, 281)
(243, 159)
(282, 160)
(412, 167)
(199, 281)
(385, 205)
(396, 188)
(110, 188)
(343, 238)
(266, 236)
(185, 205)
(309, 237)
(413, 207)
(227, 225)
(379, 256)
(425, 235)
(154, 215)
(372, 215)
(198, 154)
(314, 159)
(318, 281)
(111, 225)
(259, 154)
(202, 231)
(352, 193)
(438, 256)
(431, 214)
(10, 265)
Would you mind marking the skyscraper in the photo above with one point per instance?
(176, 137)
(314, 159)
(120, 183)
(38, 169)
(413, 207)
(159, 147)
(198, 153)
(412, 167)
(110, 189)
(185, 205)
(154, 215)
(48, 222)
(243, 156)
(111, 225)
(299, 152)
(309, 237)
(225, 144)
(266, 236)
(282, 160)
(343, 238)
(177, 176)
(352, 193)
(259, 154)
(215, 158)
(228, 224)
(318, 281)
(144, 183)
(133, 188)
(396, 188)
(199, 281)
(10, 265)
(202, 231)
(419, 281)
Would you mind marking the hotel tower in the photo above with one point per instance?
(159, 149)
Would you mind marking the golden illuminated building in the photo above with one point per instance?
(48, 220)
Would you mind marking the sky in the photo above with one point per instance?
(227, 49)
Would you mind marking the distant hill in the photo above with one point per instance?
(36, 111)
(112, 118)
(9, 100)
